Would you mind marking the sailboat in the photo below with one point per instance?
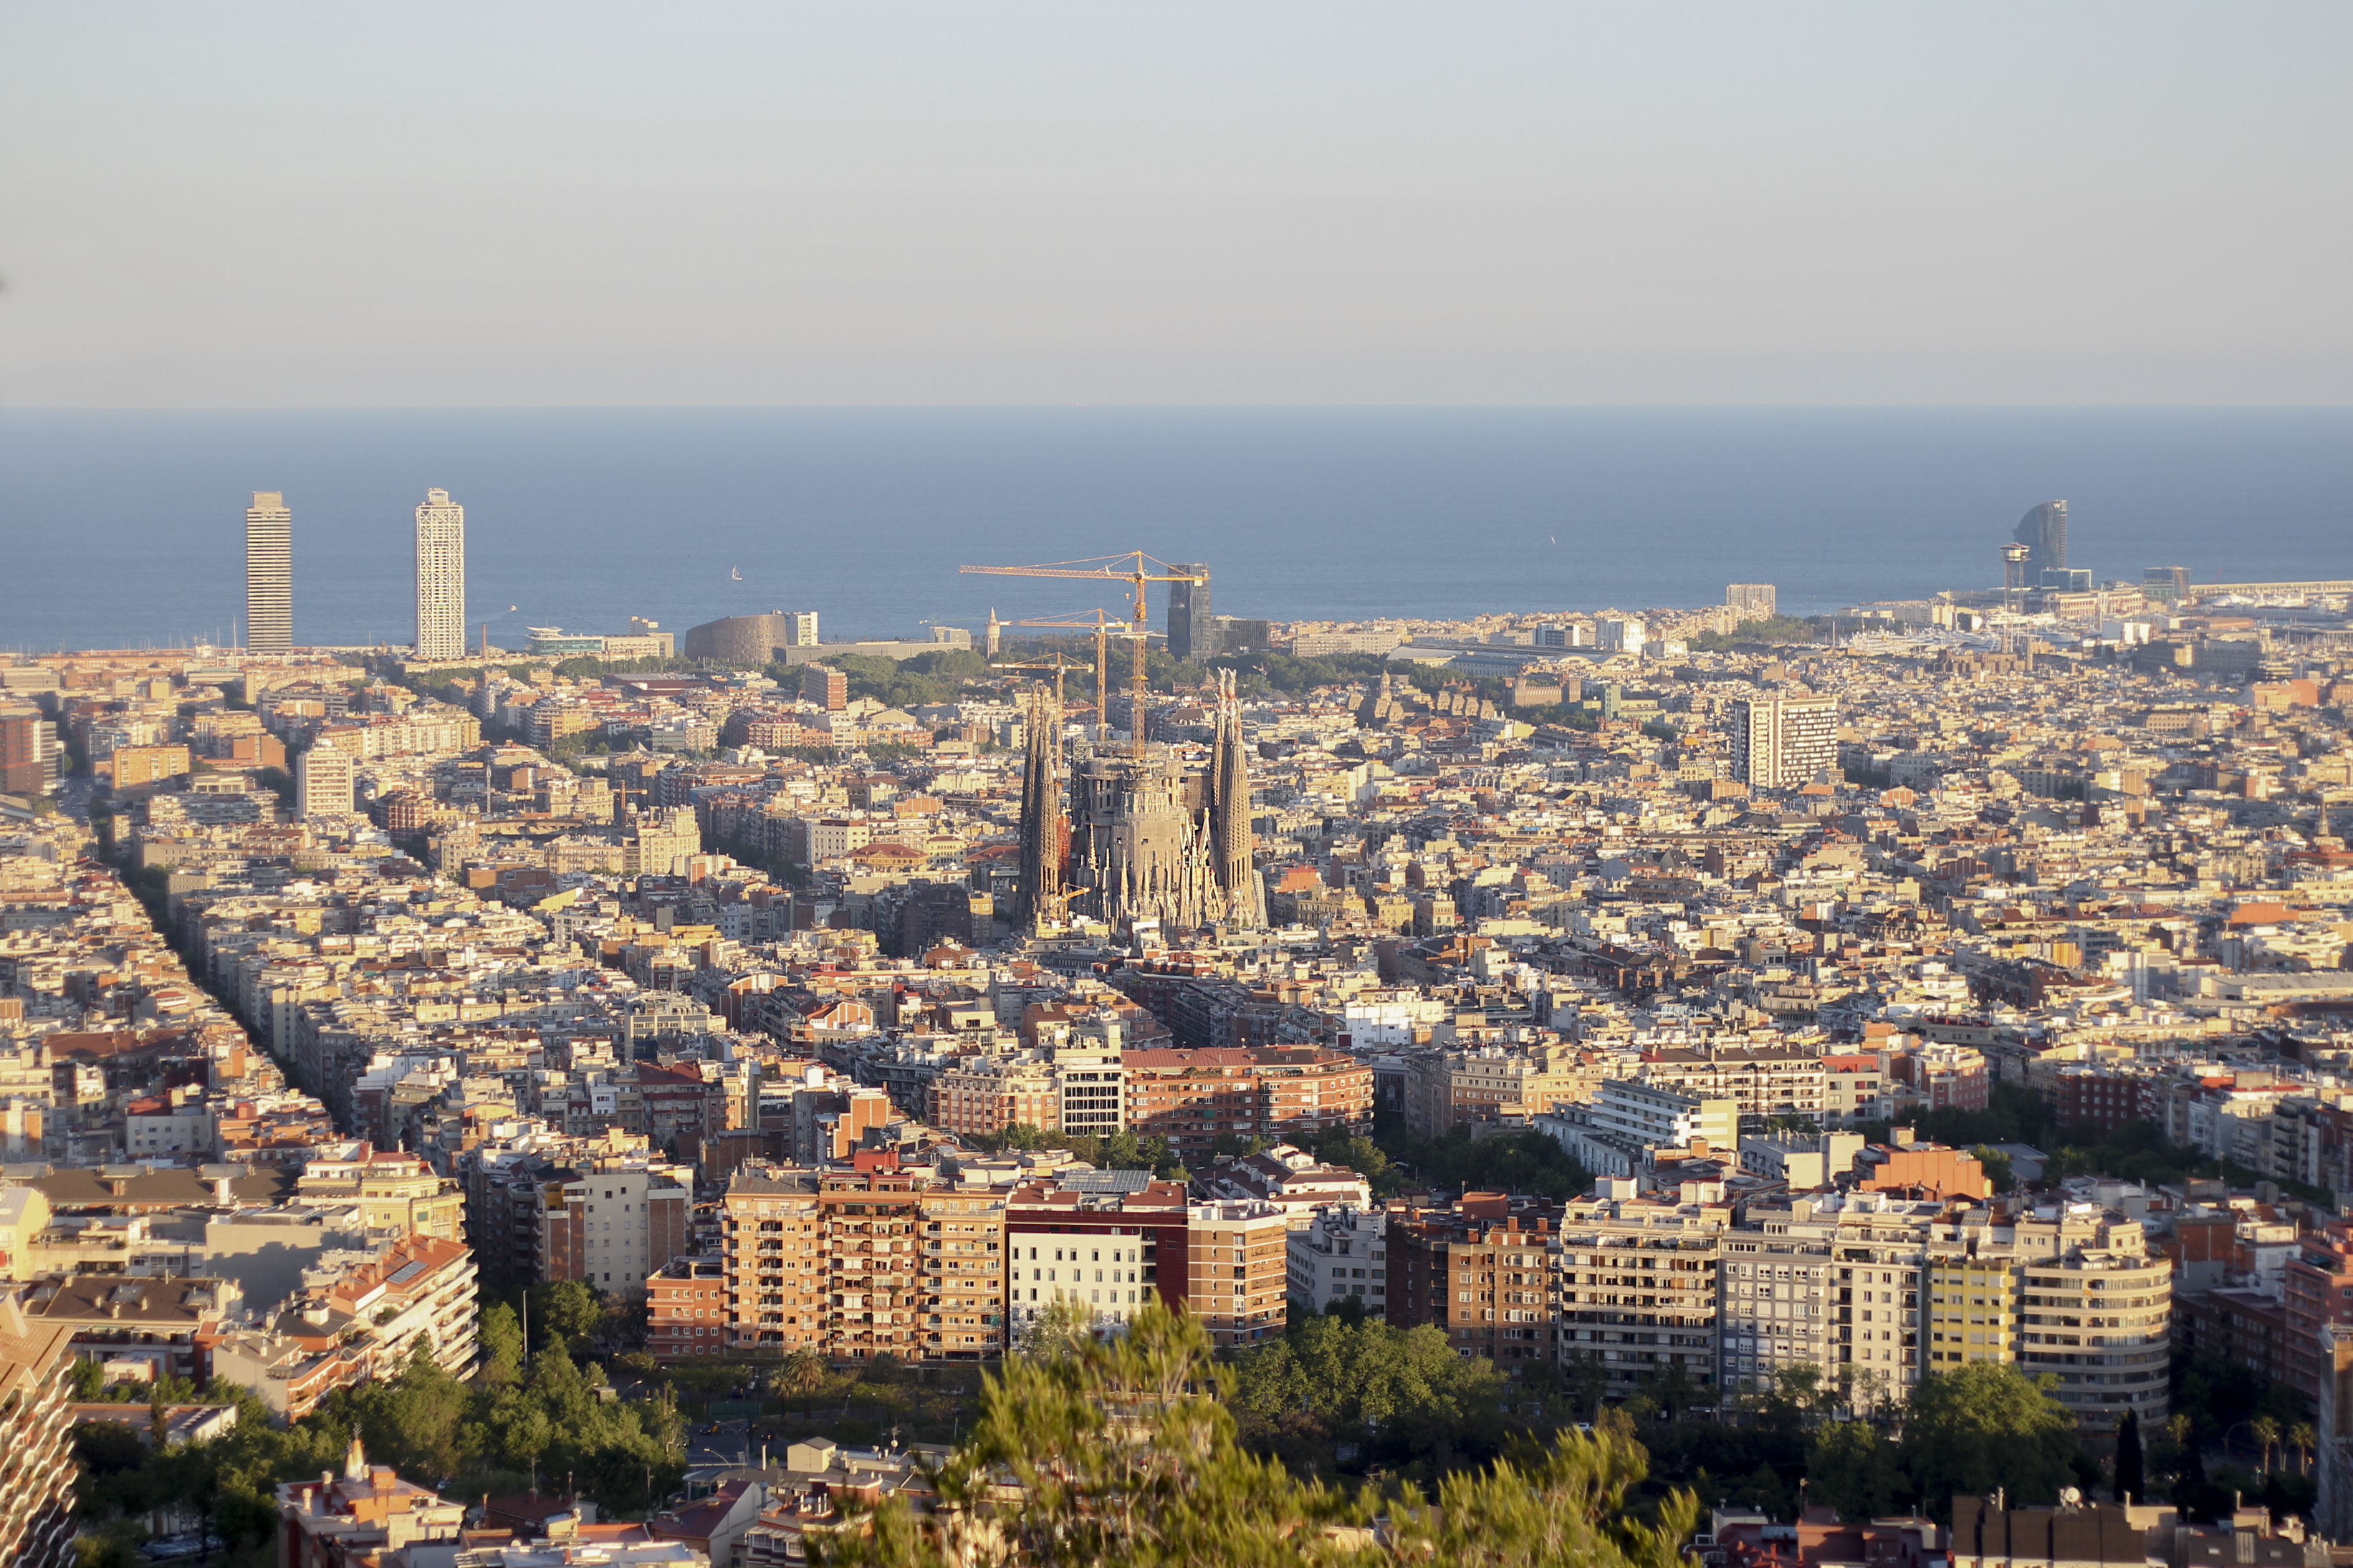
(736, 572)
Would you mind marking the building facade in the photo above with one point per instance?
(440, 578)
(269, 575)
(1781, 742)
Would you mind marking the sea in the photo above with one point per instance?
(125, 528)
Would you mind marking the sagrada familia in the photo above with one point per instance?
(1145, 835)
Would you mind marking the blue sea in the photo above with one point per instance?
(126, 527)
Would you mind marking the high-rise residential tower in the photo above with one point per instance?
(1192, 630)
(269, 575)
(1752, 601)
(2043, 531)
(440, 578)
(1782, 742)
(325, 783)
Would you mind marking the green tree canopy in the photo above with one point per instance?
(1854, 1469)
(1983, 1425)
(1120, 1454)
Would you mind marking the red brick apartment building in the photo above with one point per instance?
(1193, 1096)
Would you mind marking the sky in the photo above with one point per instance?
(1307, 201)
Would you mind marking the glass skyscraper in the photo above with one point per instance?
(2043, 531)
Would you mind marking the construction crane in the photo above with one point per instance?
(1131, 568)
(1101, 628)
(1057, 667)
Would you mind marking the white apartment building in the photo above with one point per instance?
(1782, 742)
(440, 578)
(1341, 1255)
(325, 783)
(614, 1228)
(1646, 1114)
(1103, 1274)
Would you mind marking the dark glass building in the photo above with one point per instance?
(2043, 531)
(1192, 630)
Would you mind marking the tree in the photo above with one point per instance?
(1565, 1509)
(2266, 1433)
(565, 1312)
(502, 1341)
(2130, 1481)
(2302, 1438)
(1329, 1379)
(1853, 1469)
(1115, 1453)
(1057, 1332)
(1983, 1425)
(801, 1373)
(1997, 1167)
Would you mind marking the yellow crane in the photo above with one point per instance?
(1101, 628)
(1132, 568)
(1057, 667)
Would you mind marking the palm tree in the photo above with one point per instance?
(2267, 1433)
(801, 1373)
(2304, 1439)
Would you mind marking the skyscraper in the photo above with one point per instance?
(1192, 630)
(269, 575)
(1752, 601)
(1782, 742)
(2043, 531)
(440, 578)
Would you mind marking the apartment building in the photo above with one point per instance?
(395, 1191)
(1645, 1115)
(1972, 1308)
(1502, 1284)
(421, 1291)
(1055, 1230)
(2099, 1319)
(776, 1259)
(686, 1311)
(1779, 1290)
(982, 1096)
(617, 1224)
(1444, 1089)
(1192, 1097)
(1638, 1283)
(37, 1463)
(873, 1224)
(1341, 1254)
(1764, 1080)
(1237, 1266)
(1854, 1088)
(962, 1273)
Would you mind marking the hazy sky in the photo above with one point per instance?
(1275, 201)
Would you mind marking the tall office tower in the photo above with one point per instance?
(324, 781)
(2043, 531)
(1192, 630)
(440, 578)
(1782, 742)
(269, 575)
(1752, 601)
